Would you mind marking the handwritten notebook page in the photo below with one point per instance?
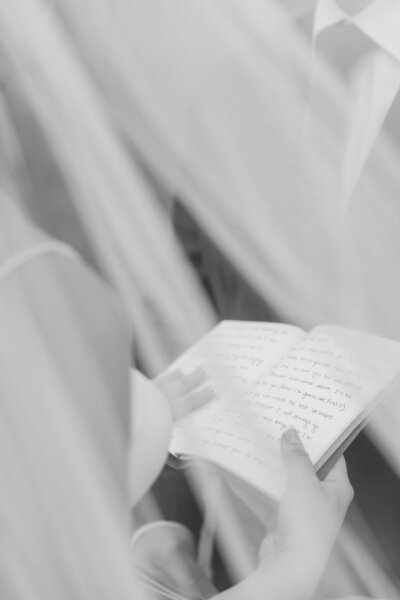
(321, 386)
(339, 375)
(234, 355)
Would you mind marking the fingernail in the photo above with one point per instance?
(291, 436)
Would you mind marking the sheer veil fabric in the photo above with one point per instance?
(138, 102)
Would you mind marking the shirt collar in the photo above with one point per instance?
(380, 21)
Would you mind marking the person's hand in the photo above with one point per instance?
(310, 514)
(185, 392)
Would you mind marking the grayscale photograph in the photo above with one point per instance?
(200, 299)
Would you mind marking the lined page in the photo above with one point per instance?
(324, 383)
(235, 355)
(332, 379)
(240, 350)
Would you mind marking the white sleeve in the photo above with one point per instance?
(15, 261)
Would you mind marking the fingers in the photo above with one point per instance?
(337, 476)
(185, 391)
(298, 464)
(170, 376)
(176, 383)
(182, 405)
(292, 447)
(337, 486)
(304, 486)
(301, 472)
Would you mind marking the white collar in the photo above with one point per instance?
(380, 21)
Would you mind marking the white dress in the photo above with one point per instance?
(64, 442)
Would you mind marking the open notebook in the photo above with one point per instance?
(271, 376)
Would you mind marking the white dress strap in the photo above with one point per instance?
(15, 261)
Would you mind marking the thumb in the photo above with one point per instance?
(298, 463)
